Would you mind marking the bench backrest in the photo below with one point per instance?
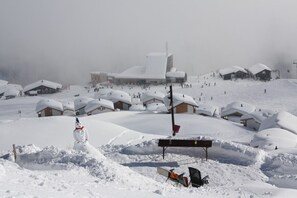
(184, 143)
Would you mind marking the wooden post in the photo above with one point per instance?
(14, 151)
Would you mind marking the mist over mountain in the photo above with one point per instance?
(64, 40)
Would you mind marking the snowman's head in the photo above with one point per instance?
(78, 124)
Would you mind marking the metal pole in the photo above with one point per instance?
(172, 110)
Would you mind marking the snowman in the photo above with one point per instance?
(80, 135)
(81, 142)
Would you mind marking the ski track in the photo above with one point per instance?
(117, 137)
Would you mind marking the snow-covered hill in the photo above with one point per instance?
(47, 166)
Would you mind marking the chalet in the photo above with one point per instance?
(43, 87)
(260, 72)
(152, 97)
(181, 103)
(79, 105)
(99, 106)
(254, 120)
(121, 100)
(233, 72)
(11, 91)
(68, 108)
(235, 110)
(175, 76)
(49, 107)
(282, 120)
(208, 110)
(137, 105)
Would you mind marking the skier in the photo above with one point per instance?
(80, 135)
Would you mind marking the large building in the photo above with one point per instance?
(155, 70)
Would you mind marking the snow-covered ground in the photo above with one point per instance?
(242, 162)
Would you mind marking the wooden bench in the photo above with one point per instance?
(165, 143)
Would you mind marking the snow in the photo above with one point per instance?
(268, 139)
(257, 68)
(3, 82)
(44, 103)
(95, 104)
(117, 95)
(122, 156)
(231, 70)
(12, 92)
(7, 87)
(81, 102)
(46, 83)
(283, 120)
(179, 98)
(208, 110)
(149, 95)
(156, 64)
(155, 68)
(237, 106)
(173, 73)
(258, 116)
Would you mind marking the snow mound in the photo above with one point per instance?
(222, 151)
(51, 158)
(273, 138)
(283, 120)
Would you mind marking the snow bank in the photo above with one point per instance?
(222, 151)
(52, 158)
(269, 139)
(283, 120)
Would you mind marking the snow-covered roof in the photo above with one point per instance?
(237, 106)
(94, 104)
(257, 68)
(44, 103)
(283, 120)
(209, 110)
(231, 70)
(12, 92)
(155, 68)
(270, 138)
(117, 95)
(178, 99)
(176, 74)
(6, 87)
(258, 116)
(45, 83)
(149, 95)
(81, 102)
(69, 105)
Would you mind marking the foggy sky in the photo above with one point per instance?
(64, 40)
